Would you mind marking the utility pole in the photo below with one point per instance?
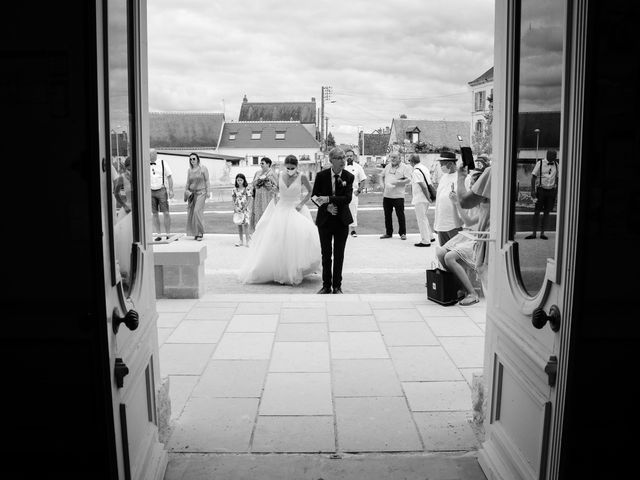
(326, 95)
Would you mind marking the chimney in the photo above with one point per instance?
(313, 99)
(244, 100)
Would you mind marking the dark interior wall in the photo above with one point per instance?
(601, 411)
(56, 418)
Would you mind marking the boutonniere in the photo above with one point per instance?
(343, 183)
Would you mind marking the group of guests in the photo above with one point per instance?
(458, 208)
(271, 213)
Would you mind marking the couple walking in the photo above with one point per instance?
(286, 245)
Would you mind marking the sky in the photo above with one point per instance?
(381, 58)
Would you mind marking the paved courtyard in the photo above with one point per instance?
(306, 373)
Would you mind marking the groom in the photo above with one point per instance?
(332, 192)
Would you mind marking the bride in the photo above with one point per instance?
(285, 245)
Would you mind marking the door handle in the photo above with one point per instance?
(540, 318)
(130, 319)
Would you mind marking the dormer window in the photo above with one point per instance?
(280, 135)
(256, 135)
(413, 135)
(232, 136)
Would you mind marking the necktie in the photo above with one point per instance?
(336, 177)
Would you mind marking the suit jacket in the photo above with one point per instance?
(342, 197)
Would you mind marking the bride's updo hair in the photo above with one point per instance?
(291, 160)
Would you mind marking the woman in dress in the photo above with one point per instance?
(285, 245)
(195, 193)
(241, 201)
(264, 188)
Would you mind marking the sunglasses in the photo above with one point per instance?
(291, 168)
(338, 158)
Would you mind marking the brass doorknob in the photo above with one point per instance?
(539, 318)
(130, 319)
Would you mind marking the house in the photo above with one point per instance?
(481, 96)
(185, 130)
(373, 147)
(176, 134)
(304, 112)
(425, 136)
(253, 140)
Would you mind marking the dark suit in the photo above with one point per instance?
(333, 228)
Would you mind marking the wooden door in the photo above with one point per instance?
(129, 280)
(537, 108)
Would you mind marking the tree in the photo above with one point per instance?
(481, 142)
(331, 142)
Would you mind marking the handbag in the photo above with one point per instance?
(442, 286)
(430, 188)
(238, 218)
(187, 195)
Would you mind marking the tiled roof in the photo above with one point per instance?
(440, 133)
(303, 112)
(375, 144)
(184, 129)
(484, 78)
(295, 135)
(547, 122)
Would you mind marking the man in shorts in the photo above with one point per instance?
(161, 183)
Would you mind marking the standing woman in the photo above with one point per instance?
(241, 200)
(264, 189)
(195, 194)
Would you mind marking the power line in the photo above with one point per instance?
(346, 93)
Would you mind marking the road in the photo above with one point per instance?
(370, 216)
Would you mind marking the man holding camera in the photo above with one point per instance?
(395, 177)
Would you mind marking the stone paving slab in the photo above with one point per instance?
(304, 366)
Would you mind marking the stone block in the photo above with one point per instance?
(179, 269)
(171, 276)
(164, 411)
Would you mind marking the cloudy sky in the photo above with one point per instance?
(381, 58)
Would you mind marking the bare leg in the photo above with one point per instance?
(240, 236)
(156, 223)
(167, 223)
(451, 259)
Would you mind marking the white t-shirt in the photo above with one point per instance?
(447, 217)
(393, 174)
(156, 181)
(416, 178)
(358, 173)
(549, 174)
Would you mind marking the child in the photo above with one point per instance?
(240, 197)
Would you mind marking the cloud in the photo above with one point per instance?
(381, 58)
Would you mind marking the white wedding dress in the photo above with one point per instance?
(285, 245)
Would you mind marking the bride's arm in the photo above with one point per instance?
(307, 185)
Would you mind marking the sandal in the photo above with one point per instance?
(470, 299)
(238, 244)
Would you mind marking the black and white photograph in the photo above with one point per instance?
(320, 240)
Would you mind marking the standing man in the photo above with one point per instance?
(395, 177)
(354, 168)
(332, 192)
(545, 174)
(161, 184)
(420, 199)
(447, 222)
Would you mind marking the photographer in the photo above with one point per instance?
(465, 250)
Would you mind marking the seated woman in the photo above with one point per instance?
(285, 245)
(466, 251)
